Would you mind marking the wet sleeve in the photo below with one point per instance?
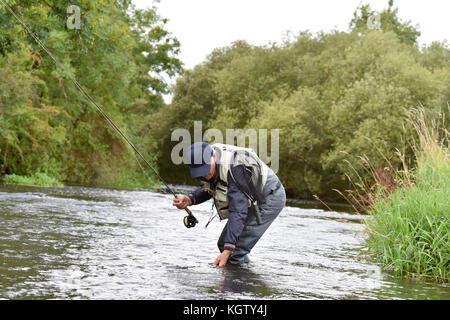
(238, 208)
(199, 195)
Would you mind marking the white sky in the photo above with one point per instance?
(202, 25)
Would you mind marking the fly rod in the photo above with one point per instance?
(189, 220)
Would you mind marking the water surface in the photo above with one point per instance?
(94, 243)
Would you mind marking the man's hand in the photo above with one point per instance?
(222, 258)
(181, 202)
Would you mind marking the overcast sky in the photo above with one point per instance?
(202, 25)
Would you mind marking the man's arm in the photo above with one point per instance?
(237, 212)
(199, 195)
(238, 209)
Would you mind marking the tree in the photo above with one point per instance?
(117, 54)
(335, 97)
(365, 19)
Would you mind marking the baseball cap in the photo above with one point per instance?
(200, 154)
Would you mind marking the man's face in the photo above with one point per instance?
(212, 170)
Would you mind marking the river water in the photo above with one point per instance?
(94, 243)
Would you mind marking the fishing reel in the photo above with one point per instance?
(189, 220)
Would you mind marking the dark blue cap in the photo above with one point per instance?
(200, 154)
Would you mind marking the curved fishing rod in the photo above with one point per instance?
(189, 220)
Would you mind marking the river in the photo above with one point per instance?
(95, 243)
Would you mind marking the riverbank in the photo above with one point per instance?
(123, 181)
(409, 232)
(38, 179)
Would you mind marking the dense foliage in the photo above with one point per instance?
(333, 96)
(409, 230)
(46, 125)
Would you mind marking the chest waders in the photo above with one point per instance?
(228, 157)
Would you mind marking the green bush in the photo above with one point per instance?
(37, 179)
(409, 232)
(333, 96)
(45, 123)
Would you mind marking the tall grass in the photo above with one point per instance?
(37, 179)
(409, 231)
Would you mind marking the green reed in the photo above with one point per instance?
(409, 229)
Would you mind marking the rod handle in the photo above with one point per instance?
(191, 215)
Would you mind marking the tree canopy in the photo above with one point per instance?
(117, 54)
(335, 97)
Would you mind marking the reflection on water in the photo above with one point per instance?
(98, 243)
(243, 281)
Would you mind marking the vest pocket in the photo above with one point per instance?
(221, 202)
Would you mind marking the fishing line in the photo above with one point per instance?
(189, 220)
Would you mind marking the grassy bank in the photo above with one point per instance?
(409, 232)
(125, 179)
(37, 179)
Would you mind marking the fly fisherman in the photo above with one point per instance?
(245, 191)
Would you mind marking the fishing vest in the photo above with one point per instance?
(228, 156)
